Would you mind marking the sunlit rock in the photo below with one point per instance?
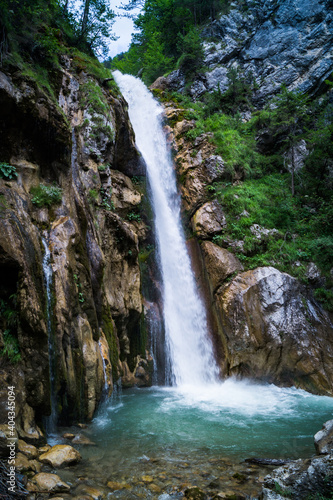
(60, 456)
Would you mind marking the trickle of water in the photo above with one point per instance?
(51, 421)
(105, 392)
(187, 342)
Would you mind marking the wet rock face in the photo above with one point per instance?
(272, 329)
(95, 302)
(273, 42)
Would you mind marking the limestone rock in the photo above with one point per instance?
(27, 449)
(273, 329)
(50, 483)
(301, 479)
(4, 436)
(262, 233)
(220, 263)
(323, 439)
(90, 492)
(22, 464)
(208, 220)
(44, 449)
(60, 455)
(288, 43)
(69, 436)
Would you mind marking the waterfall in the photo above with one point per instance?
(51, 421)
(188, 345)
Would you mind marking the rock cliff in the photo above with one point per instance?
(270, 43)
(76, 161)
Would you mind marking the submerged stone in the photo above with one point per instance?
(50, 482)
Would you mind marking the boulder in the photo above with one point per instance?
(219, 263)
(60, 455)
(22, 464)
(50, 483)
(208, 220)
(261, 233)
(27, 449)
(301, 479)
(5, 434)
(272, 329)
(323, 439)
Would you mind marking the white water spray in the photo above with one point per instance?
(187, 340)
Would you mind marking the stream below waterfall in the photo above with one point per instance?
(154, 442)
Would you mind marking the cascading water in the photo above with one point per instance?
(105, 391)
(51, 421)
(188, 343)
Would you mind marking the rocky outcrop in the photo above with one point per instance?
(219, 263)
(323, 439)
(270, 43)
(82, 145)
(208, 220)
(272, 329)
(301, 479)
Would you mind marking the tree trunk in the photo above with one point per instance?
(85, 16)
(292, 171)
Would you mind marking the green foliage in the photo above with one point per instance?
(269, 203)
(46, 196)
(7, 171)
(134, 216)
(93, 98)
(325, 297)
(192, 52)
(94, 30)
(93, 195)
(9, 321)
(234, 142)
(167, 33)
(11, 349)
(79, 288)
(237, 97)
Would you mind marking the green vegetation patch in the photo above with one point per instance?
(7, 171)
(46, 196)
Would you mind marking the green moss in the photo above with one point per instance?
(94, 99)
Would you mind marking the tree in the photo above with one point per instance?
(288, 119)
(96, 23)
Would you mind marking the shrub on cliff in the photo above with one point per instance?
(45, 196)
